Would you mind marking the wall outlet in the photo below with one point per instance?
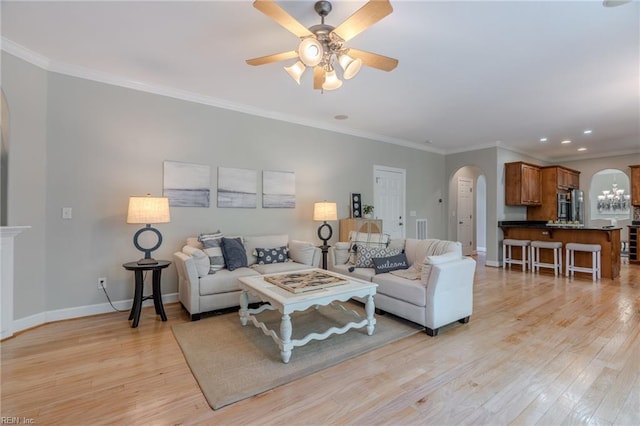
(102, 283)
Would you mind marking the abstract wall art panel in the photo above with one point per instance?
(187, 184)
(278, 189)
(237, 188)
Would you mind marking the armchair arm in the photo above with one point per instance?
(188, 282)
(450, 292)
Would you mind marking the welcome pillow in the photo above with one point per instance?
(390, 263)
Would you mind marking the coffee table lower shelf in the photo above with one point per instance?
(287, 304)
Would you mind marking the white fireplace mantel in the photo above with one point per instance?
(7, 235)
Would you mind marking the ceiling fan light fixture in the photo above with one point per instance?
(295, 71)
(331, 81)
(350, 66)
(310, 51)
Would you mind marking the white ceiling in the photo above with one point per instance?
(471, 74)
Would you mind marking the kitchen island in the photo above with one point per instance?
(608, 238)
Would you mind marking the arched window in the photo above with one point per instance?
(609, 195)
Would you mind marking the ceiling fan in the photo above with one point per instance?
(322, 45)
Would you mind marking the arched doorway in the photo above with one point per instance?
(472, 180)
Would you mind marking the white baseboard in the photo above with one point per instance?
(81, 311)
(493, 263)
(481, 249)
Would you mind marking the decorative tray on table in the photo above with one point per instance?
(300, 282)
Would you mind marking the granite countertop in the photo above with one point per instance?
(543, 224)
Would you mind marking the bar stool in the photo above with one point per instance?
(507, 259)
(624, 252)
(594, 249)
(536, 264)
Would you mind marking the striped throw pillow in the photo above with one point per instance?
(212, 243)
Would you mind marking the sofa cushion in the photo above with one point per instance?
(234, 253)
(301, 252)
(414, 272)
(390, 263)
(365, 255)
(200, 259)
(418, 250)
(212, 246)
(400, 288)
(268, 241)
(362, 273)
(396, 243)
(224, 281)
(275, 268)
(271, 255)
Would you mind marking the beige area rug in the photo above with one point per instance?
(231, 362)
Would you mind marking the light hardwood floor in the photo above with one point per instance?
(538, 350)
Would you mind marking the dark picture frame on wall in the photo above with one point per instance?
(356, 205)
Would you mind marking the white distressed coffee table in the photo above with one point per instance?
(286, 303)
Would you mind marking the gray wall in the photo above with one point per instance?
(87, 145)
(25, 89)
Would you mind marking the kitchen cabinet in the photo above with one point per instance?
(522, 184)
(370, 226)
(566, 178)
(635, 185)
(555, 180)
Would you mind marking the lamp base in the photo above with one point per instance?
(147, 260)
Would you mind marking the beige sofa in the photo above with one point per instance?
(436, 290)
(201, 291)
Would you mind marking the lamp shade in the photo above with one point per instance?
(325, 210)
(295, 71)
(310, 51)
(331, 81)
(148, 210)
(349, 65)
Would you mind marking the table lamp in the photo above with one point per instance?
(148, 210)
(324, 211)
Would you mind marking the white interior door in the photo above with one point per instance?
(465, 214)
(389, 199)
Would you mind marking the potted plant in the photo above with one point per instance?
(367, 209)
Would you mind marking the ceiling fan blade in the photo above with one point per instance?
(275, 12)
(374, 60)
(318, 78)
(363, 18)
(273, 58)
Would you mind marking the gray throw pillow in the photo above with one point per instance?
(234, 253)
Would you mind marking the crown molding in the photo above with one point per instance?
(25, 54)
(45, 63)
